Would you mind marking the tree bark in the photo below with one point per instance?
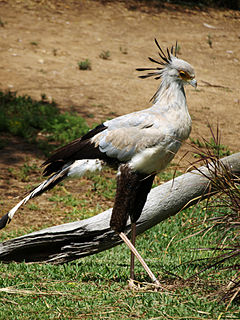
(74, 240)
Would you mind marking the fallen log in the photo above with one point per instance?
(70, 241)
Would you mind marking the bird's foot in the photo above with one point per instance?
(132, 285)
(144, 286)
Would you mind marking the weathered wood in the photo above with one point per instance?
(74, 240)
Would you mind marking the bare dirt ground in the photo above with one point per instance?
(41, 43)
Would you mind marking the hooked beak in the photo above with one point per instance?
(193, 83)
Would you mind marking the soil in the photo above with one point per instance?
(41, 43)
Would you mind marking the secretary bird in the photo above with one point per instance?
(139, 144)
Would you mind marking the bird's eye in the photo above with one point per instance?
(184, 75)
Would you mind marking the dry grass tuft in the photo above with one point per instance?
(222, 213)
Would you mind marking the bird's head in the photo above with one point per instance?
(172, 68)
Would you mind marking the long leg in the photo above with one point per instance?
(145, 184)
(132, 190)
(133, 238)
(136, 253)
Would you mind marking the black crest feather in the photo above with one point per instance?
(165, 60)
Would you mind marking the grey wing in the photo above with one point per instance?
(139, 119)
(123, 141)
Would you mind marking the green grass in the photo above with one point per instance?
(105, 55)
(85, 65)
(34, 43)
(209, 40)
(73, 208)
(217, 149)
(95, 287)
(123, 50)
(2, 24)
(39, 121)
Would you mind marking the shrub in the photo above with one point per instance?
(85, 65)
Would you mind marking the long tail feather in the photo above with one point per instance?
(44, 186)
(74, 169)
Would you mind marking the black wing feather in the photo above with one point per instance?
(81, 148)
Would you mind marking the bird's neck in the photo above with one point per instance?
(170, 93)
(170, 102)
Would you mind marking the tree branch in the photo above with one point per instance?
(74, 240)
